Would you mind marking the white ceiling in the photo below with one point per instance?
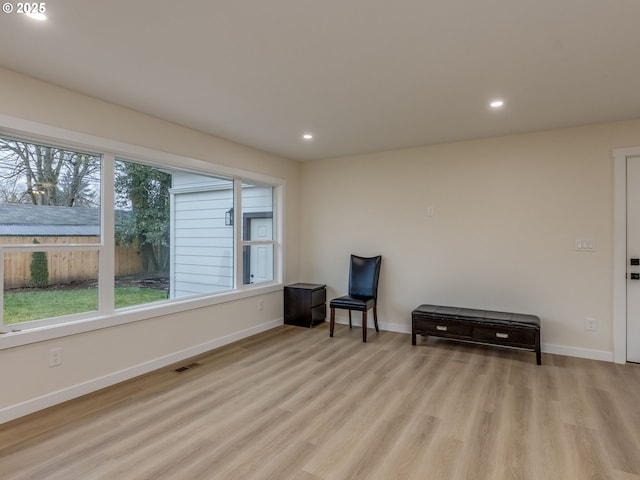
(362, 75)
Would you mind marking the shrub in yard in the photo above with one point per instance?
(39, 269)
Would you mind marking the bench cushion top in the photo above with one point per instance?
(480, 316)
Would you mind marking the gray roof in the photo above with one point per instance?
(30, 220)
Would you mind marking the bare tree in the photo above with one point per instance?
(44, 175)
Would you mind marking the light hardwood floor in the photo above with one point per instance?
(292, 403)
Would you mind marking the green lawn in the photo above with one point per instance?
(37, 304)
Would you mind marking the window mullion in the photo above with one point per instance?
(278, 229)
(237, 233)
(106, 272)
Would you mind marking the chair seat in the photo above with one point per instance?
(353, 302)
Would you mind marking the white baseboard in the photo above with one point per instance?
(545, 347)
(601, 355)
(40, 403)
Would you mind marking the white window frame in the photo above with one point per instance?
(106, 316)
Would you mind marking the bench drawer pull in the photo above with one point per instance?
(502, 335)
(442, 328)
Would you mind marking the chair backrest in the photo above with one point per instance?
(363, 276)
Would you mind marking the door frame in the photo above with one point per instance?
(620, 156)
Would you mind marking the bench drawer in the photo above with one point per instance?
(516, 336)
(434, 326)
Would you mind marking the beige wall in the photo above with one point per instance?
(95, 357)
(507, 212)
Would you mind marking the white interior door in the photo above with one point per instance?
(633, 259)
(261, 269)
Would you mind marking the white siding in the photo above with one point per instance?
(257, 199)
(202, 244)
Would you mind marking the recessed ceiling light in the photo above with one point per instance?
(37, 16)
(496, 104)
(307, 136)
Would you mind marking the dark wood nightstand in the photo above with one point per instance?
(305, 304)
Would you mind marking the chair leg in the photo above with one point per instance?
(349, 318)
(364, 326)
(375, 317)
(332, 321)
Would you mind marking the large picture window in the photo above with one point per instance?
(175, 220)
(172, 233)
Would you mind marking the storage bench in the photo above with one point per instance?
(482, 326)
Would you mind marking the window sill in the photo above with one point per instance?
(18, 338)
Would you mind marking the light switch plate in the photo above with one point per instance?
(585, 245)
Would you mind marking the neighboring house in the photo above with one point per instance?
(20, 224)
(202, 234)
(25, 220)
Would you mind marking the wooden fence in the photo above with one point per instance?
(65, 266)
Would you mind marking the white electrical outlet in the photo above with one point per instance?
(260, 305)
(55, 357)
(590, 325)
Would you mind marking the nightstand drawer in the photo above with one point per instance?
(319, 297)
(319, 313)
